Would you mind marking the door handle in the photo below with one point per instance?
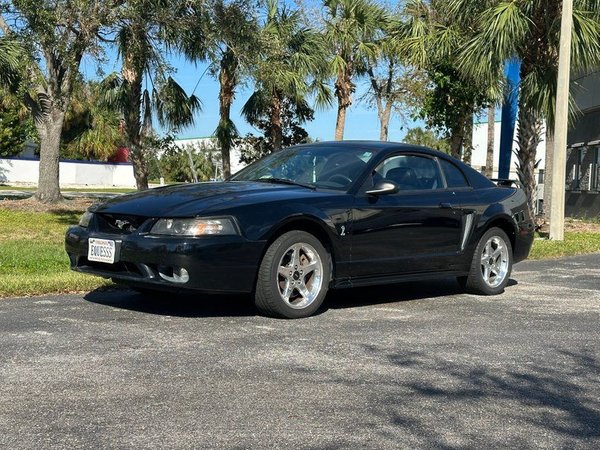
(446, 205)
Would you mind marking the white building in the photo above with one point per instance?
(478, 158)
(479, 155)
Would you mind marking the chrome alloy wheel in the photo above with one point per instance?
(300, 275)
(494, 261)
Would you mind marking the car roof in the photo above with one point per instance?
(379, 145)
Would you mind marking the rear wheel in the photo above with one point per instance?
(491, 266)
(294, 275)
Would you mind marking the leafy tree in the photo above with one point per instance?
(223, 33)
(427, 138)
(53, 36)
(13, 133)
(351, 27)
(16, 127)
(393, 85)
(290, 65)
(394, 88)
(190, 163)
(92, 130)
(529, 31)
(143, 30)
(292, 117)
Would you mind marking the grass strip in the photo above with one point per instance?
(33, 260)
(575, 243)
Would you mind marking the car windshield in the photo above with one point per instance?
(320, 166)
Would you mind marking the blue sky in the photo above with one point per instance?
(361, 121)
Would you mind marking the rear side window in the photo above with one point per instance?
(454, 176)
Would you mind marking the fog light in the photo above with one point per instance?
(174, 274)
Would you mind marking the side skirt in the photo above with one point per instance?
(345, 283)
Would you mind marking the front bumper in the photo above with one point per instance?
(214, 264)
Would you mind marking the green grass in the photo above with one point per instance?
(575, 243)
(102, 190)
(32, 256)
(33, 260)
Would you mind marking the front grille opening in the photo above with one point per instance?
(119, 223)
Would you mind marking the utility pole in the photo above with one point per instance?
(559, 160)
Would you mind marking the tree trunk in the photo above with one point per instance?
(140, 168)
(491, 134)
(468, 151)
(132, 76)
(49, 132)
(276, 122)
(384, 121)
(340, 122)
(343, 91)
(224, 131)
(456, 142)
(528, 138)
(549, 160)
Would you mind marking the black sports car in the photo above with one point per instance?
(309, 218)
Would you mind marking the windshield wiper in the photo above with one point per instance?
(285, 181)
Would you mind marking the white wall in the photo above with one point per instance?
(480, 149)
(72, 173)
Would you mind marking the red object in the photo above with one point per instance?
(120, 156)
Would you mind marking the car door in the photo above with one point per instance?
(416, 229)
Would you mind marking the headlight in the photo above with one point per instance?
(85, 219)
(194, 227)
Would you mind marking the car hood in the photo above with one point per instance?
(188, 200)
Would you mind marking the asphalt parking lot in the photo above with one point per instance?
(403, 366)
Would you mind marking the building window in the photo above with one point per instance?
(595, 184)
(577, 169)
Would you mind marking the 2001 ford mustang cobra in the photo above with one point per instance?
(310, 218)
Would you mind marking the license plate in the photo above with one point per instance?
(101, 250)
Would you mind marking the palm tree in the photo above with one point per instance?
(9, 61)
(224, 34)
(143, 28)
(351, 27)
(530, 31)
(290, 65)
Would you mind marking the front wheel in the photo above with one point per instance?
(491, 266)
(294, 276)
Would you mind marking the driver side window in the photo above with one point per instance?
(409, 172)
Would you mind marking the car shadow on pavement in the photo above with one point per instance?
(392, 293)
(173, 304)
(204, 305)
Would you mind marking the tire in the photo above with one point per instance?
(489, 275)
(283, 288)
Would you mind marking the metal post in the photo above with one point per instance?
(559, 160)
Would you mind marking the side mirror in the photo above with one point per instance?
(384, 187)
